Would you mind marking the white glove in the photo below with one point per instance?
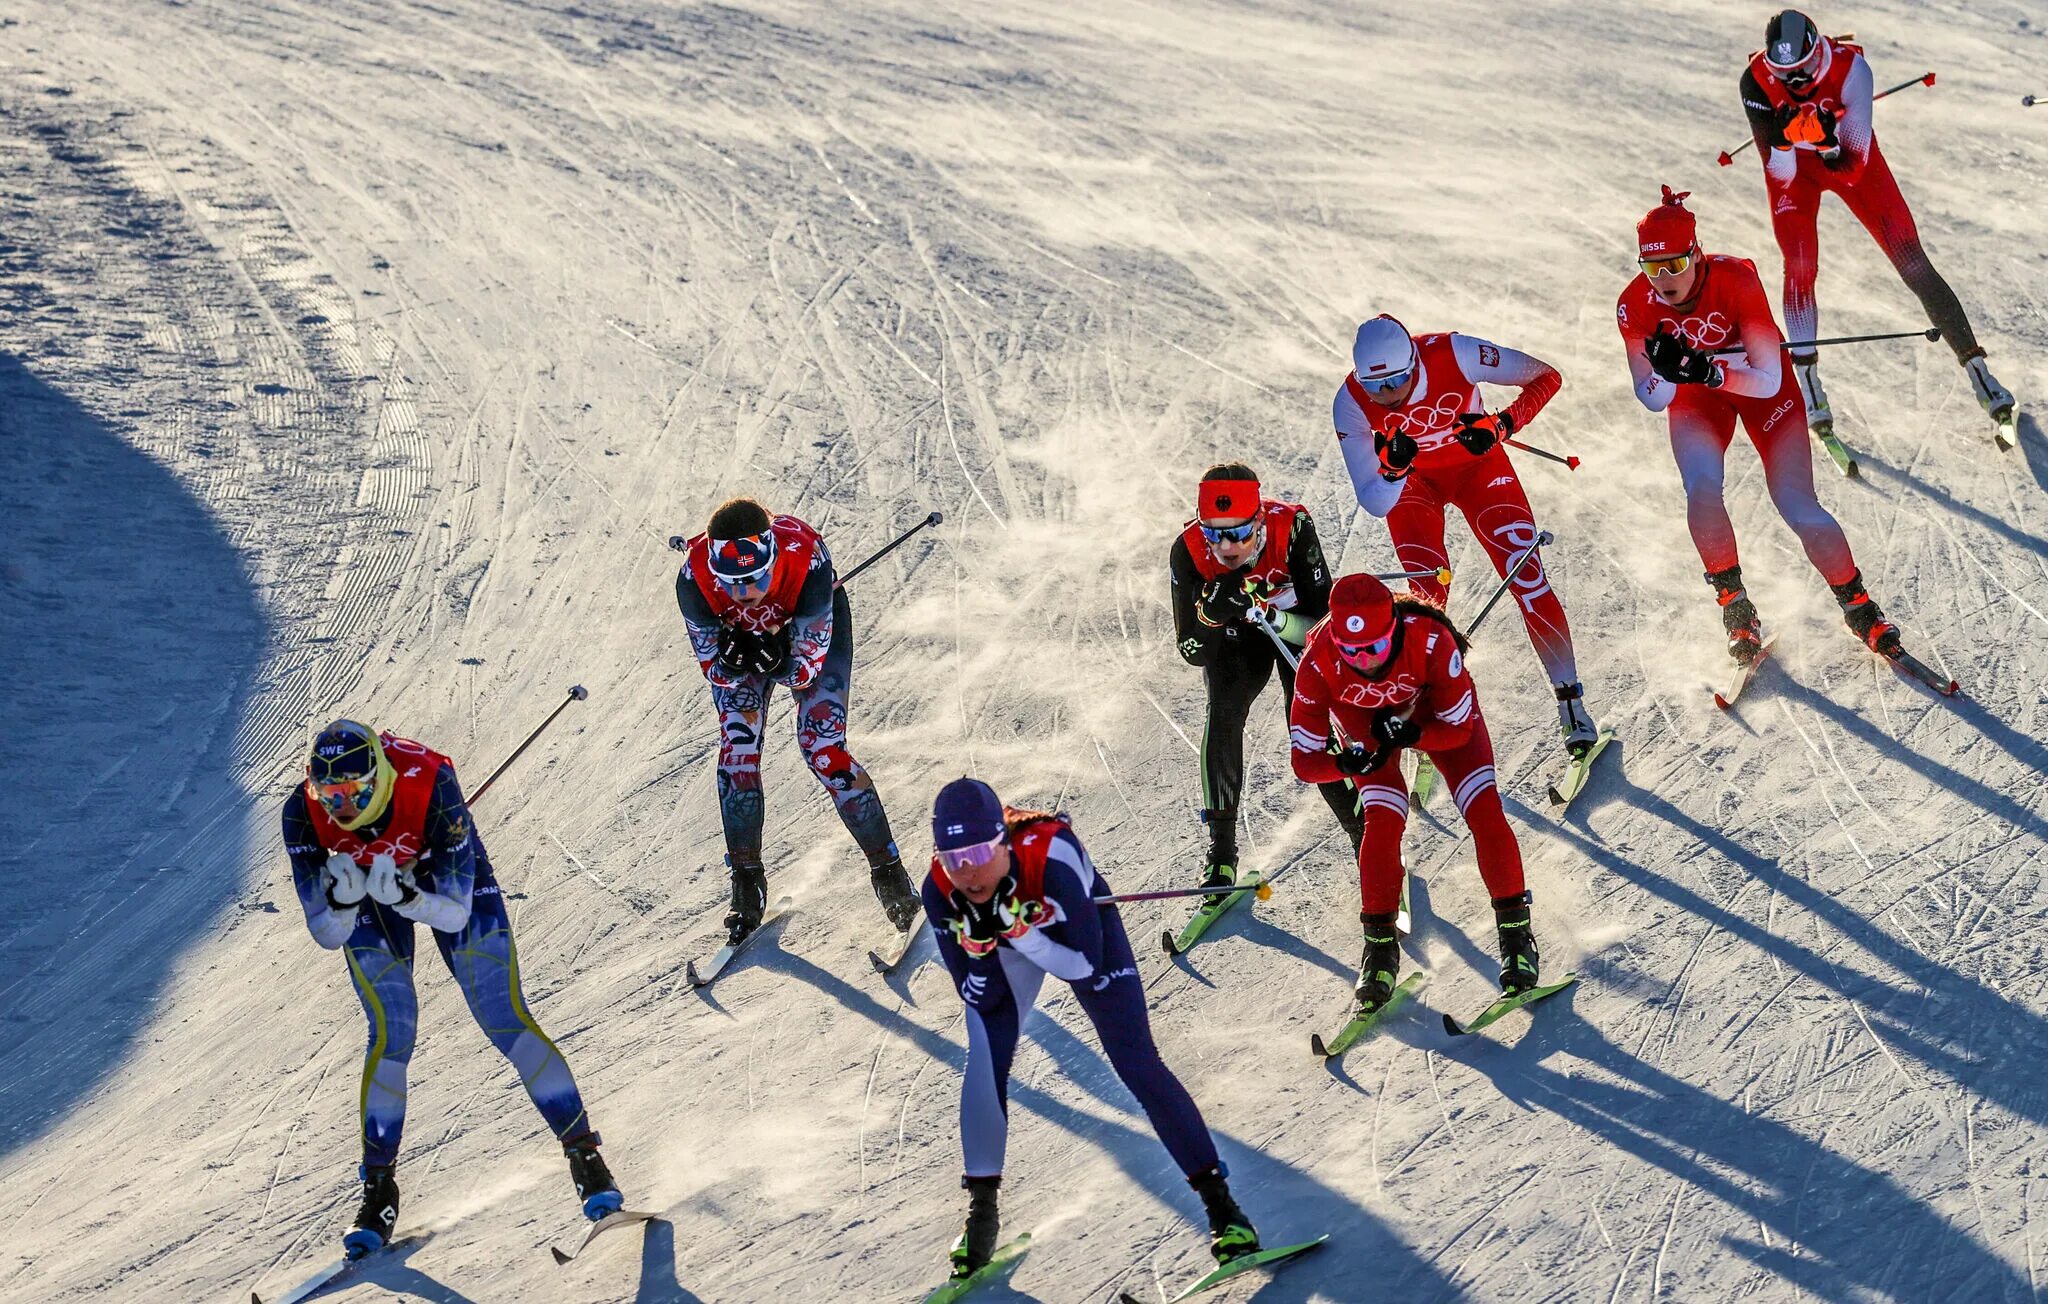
(388, 884)
(330, 928)
(345, 880)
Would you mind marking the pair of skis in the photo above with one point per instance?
(342, 1269)
(1364, 1022)
(2005, 433)
(884, 957)
(1577, 771)
(1005, 1260)
(1905, 662)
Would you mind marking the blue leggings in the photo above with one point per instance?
(820, 732)
(486, 966)
(1115, 1003)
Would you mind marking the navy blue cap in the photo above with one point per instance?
(344, 750)
(967, 813)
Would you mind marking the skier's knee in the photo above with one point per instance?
(836, 768)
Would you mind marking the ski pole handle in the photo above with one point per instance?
(1544, 453)
(577, 693)
(2027, 101)
(1542, 537)
(1727, 156)
(1931, 333)
(1264, 891)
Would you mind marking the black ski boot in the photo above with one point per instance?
(892, 888)
(594, 1184)
(1738, 616)
(1220, 870)
(1230, 1233)
(977, 1243)
(1518, 958)
(1380, 964)
(1865, 618)
(379, 1214)
(749, 899)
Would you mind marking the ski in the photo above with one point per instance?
(1272, 1258)
(1206, 914)
(1508, 1005)
(1365, 1021)
(339, 1270)
(999, 1263)
(723, 957)
(1743, 674)
(1926, 674)
(1425, 782)
(1404, 922)
(2005, 428)
(890, 954)
(620, 1219)
(1845, 461)
(1580, 768)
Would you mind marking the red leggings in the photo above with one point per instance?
(1467, 771)
(1490, 495)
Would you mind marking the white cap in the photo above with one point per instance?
(1383, 348)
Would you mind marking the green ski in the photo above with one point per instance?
(1206, 914)
(1242, 1263)
(1425, 782)
(1575, 774)
(1004, 1259)
(1365, 1021)
(1845, 461)
(1508, 1005)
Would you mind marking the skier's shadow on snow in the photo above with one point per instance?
(2034, 447)
(658, 1284)
(1294, 1201)
(394, 1272)
(2036, 461)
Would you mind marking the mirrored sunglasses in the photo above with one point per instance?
(1231, 533)
(974, 857)
(1666, 266)
(1386, 384)
(1366, 656)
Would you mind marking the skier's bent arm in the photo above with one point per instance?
(1308, 726)
(1196, 641)
(1759, 369)
(1354, 439)
(451, 838)
(1852, 129)
(978, 979)
(1077, 952)
(702, 624)
(810, 634)
(1483, 360)
(330, 927)
(1451, 703)
(1652, 390)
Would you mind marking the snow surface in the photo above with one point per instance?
(360, 357)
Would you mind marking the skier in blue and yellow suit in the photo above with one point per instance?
(380, 839)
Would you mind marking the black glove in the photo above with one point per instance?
(1826, 119)
(981, 923)
(1782, 116)
(1696, 367)
(1356, 759)
(1391, 730)
(1397, 453)
(1224, 601)
(752, 652)
(1480, 431)
(774, 656)
(1666, 351)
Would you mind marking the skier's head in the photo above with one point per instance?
(1668, 248)
(1362, 623)
(1228, 513)
(742, 550)
(1383, 358)
(970, 837)
(349, 775)
(1793, 50)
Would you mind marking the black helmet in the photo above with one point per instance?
(1792, 48)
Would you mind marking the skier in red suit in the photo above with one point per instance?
(1380, 675)
(1808, 99)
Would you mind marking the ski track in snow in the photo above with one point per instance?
(393, 341)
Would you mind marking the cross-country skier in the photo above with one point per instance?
(1010, 900)
(1683, 305)
(380, 839)
(1381, 675)
(1417, 439)
(762, 607)
(1244, 558)
(1808, 99)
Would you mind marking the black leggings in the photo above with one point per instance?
(1235, 677)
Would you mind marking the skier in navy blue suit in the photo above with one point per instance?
(1010, 898)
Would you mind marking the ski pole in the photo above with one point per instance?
(1543, 453)
(1264, 891)
(680, 543)
(1542, 537)
(1931, 333)
(576, 694)
(1727, 156)
(1442, 574)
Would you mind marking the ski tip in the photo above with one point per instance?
(1315, 1043)
(1451, 1026)
(1166, 941)
(690, 974)
(1556, 798)
(1722, 701)
(1852, 470)
(560, 1258)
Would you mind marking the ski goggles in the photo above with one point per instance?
(346, 798)
(1671, 266)
(1386, 384)
(1366, 657)
(971, 857)
(1232, 533)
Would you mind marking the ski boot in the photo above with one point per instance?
(1380, 964)
(977, 1243)
(1738, 616)
(1820, 419)
(1220, 870)
(1580, 733)
(1994, 398)
(892, 888)
(1865, 618)
(1518, 957)
(1230, 1233)
(379, 1214)
(749, 899)
(594, 1184)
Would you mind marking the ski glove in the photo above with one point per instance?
(387, 883)
(1480, 431)
(1356, 759)
(1397, 454)
(978, 926)
(1391, 730)
(1223, 601)
(346, 885)
(1675, 359)
(752, 652)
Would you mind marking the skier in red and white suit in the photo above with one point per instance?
(1681, 307)
(1417, 438)
(1378, 676)
(1808, 100)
